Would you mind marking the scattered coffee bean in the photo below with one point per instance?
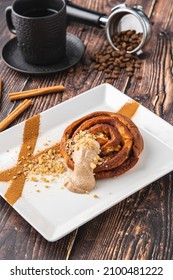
(129, 69)
(137, 65)
(138, 75)
(129, 74)
(107, 75)
(101, 68)
(109, 81)
(113, 62)
(114, 76)
(107, 70)
(96, 66)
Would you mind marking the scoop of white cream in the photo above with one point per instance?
(82, 179)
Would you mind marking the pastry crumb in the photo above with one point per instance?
(95, 196)
(34, 179)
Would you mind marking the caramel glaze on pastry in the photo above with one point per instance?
(120, 142)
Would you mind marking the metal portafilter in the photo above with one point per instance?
(122, 18)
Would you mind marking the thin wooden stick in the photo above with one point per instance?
(35, 92)
(14, 114)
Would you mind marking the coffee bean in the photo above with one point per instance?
(127, 40)
(96, 66)
(130, 74)
(130, 48)
(104, 64)
(126, 59)
(138, 61)
(122, 65)
(137, 65)
(114, 76)
(112, 62)
(129, 69)
(129, 55)
(130, 32)
(111, 67)
(101, 68)
(116, 72)
(124, 45)
(107, 75)
(109, 81)
(106, 43)
(138, 76)
(107, 70)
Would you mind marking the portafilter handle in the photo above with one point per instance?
(83, 15)
(121, 18)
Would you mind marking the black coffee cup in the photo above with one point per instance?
(40, 27)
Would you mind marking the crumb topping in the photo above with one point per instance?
(48, 162)
(84, 139)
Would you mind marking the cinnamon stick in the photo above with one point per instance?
(35, 92)
(14, 114)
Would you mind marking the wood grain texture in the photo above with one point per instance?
(140, 227)
(133, 229)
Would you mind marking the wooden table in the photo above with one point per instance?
(141, 226)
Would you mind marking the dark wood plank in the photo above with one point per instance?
(18, 240)
(126, 234)
(139, 227)
(155, 89)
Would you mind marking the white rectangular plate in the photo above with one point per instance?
(54, 212)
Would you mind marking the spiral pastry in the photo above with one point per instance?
(120, 142)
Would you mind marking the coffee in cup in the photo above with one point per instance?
(40, 28)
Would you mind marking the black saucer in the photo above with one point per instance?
(12, 57)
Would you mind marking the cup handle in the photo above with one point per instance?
(9, 21)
